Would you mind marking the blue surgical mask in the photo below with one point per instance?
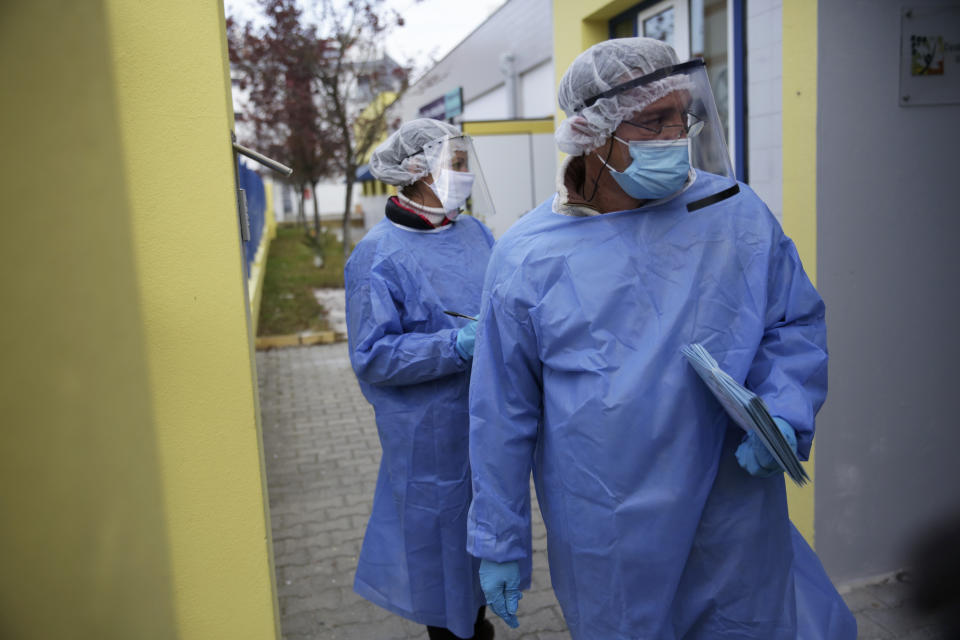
(659, 168)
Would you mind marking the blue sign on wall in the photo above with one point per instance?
(445, 107)
(453, 101)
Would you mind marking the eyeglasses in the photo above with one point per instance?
(655, 127)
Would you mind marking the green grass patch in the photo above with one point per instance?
(287, 304)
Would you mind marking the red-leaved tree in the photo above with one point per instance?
(355, 73)
(316, 91)
(275, 65)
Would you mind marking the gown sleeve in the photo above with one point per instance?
(380, 351)
(505, 414)
(789, 370)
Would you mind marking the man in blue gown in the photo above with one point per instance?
(664, 521)
(413, 364)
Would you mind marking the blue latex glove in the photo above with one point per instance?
(501, 585)
(466, 338)
(754, 457)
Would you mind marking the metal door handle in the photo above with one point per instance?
(262, 159)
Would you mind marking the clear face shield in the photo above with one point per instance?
(677, 115)
(456, 179)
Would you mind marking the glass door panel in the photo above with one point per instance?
(669, 22)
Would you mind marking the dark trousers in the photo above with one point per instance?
(481, 625)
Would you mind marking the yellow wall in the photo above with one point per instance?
(258, 268)
(577, 25)
(372, 112)
(581, 24)
(800, 177)
(507, 127)
(271, 215)
(84, 549)
(170, 73)
(132, 487)
(800, 127)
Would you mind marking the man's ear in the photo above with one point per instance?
(574, 177)
(580, 125)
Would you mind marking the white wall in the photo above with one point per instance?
(521, 27)
(330, 194)
(520, 177)
(373, 209)
(888, 267)
(538, 97)
(544, 150)
(330, 198)
(765, 101)
(490, 106)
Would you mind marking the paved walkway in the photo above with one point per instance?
(322, 455)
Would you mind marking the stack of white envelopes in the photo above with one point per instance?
(748, 410)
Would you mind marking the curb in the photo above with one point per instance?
(305, 338)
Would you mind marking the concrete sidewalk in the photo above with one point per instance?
(322, 455)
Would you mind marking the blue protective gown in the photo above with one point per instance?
(821, 612)
(653, 530)
(398, 283)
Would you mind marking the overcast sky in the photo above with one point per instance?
(432, 29)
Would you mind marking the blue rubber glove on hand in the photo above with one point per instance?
(754, 457)
(466, 338)
(501, 585)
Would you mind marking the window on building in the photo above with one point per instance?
(708, 40)
(660, 25)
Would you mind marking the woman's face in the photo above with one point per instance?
(420, 191)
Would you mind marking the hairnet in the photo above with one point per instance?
(600, 68)
(397, 161)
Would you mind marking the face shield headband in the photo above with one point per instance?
(659, 74)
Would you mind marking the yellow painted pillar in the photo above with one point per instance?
(132, 486)
(171, 74)
(83, 544)
(800, 178)
(258, 268)
(580, 24)
(270, 214)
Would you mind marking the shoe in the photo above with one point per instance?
(484, 631)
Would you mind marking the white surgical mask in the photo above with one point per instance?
(453, 189)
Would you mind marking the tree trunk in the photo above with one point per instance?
(316, 212)
(351, 176)
(301, 217)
